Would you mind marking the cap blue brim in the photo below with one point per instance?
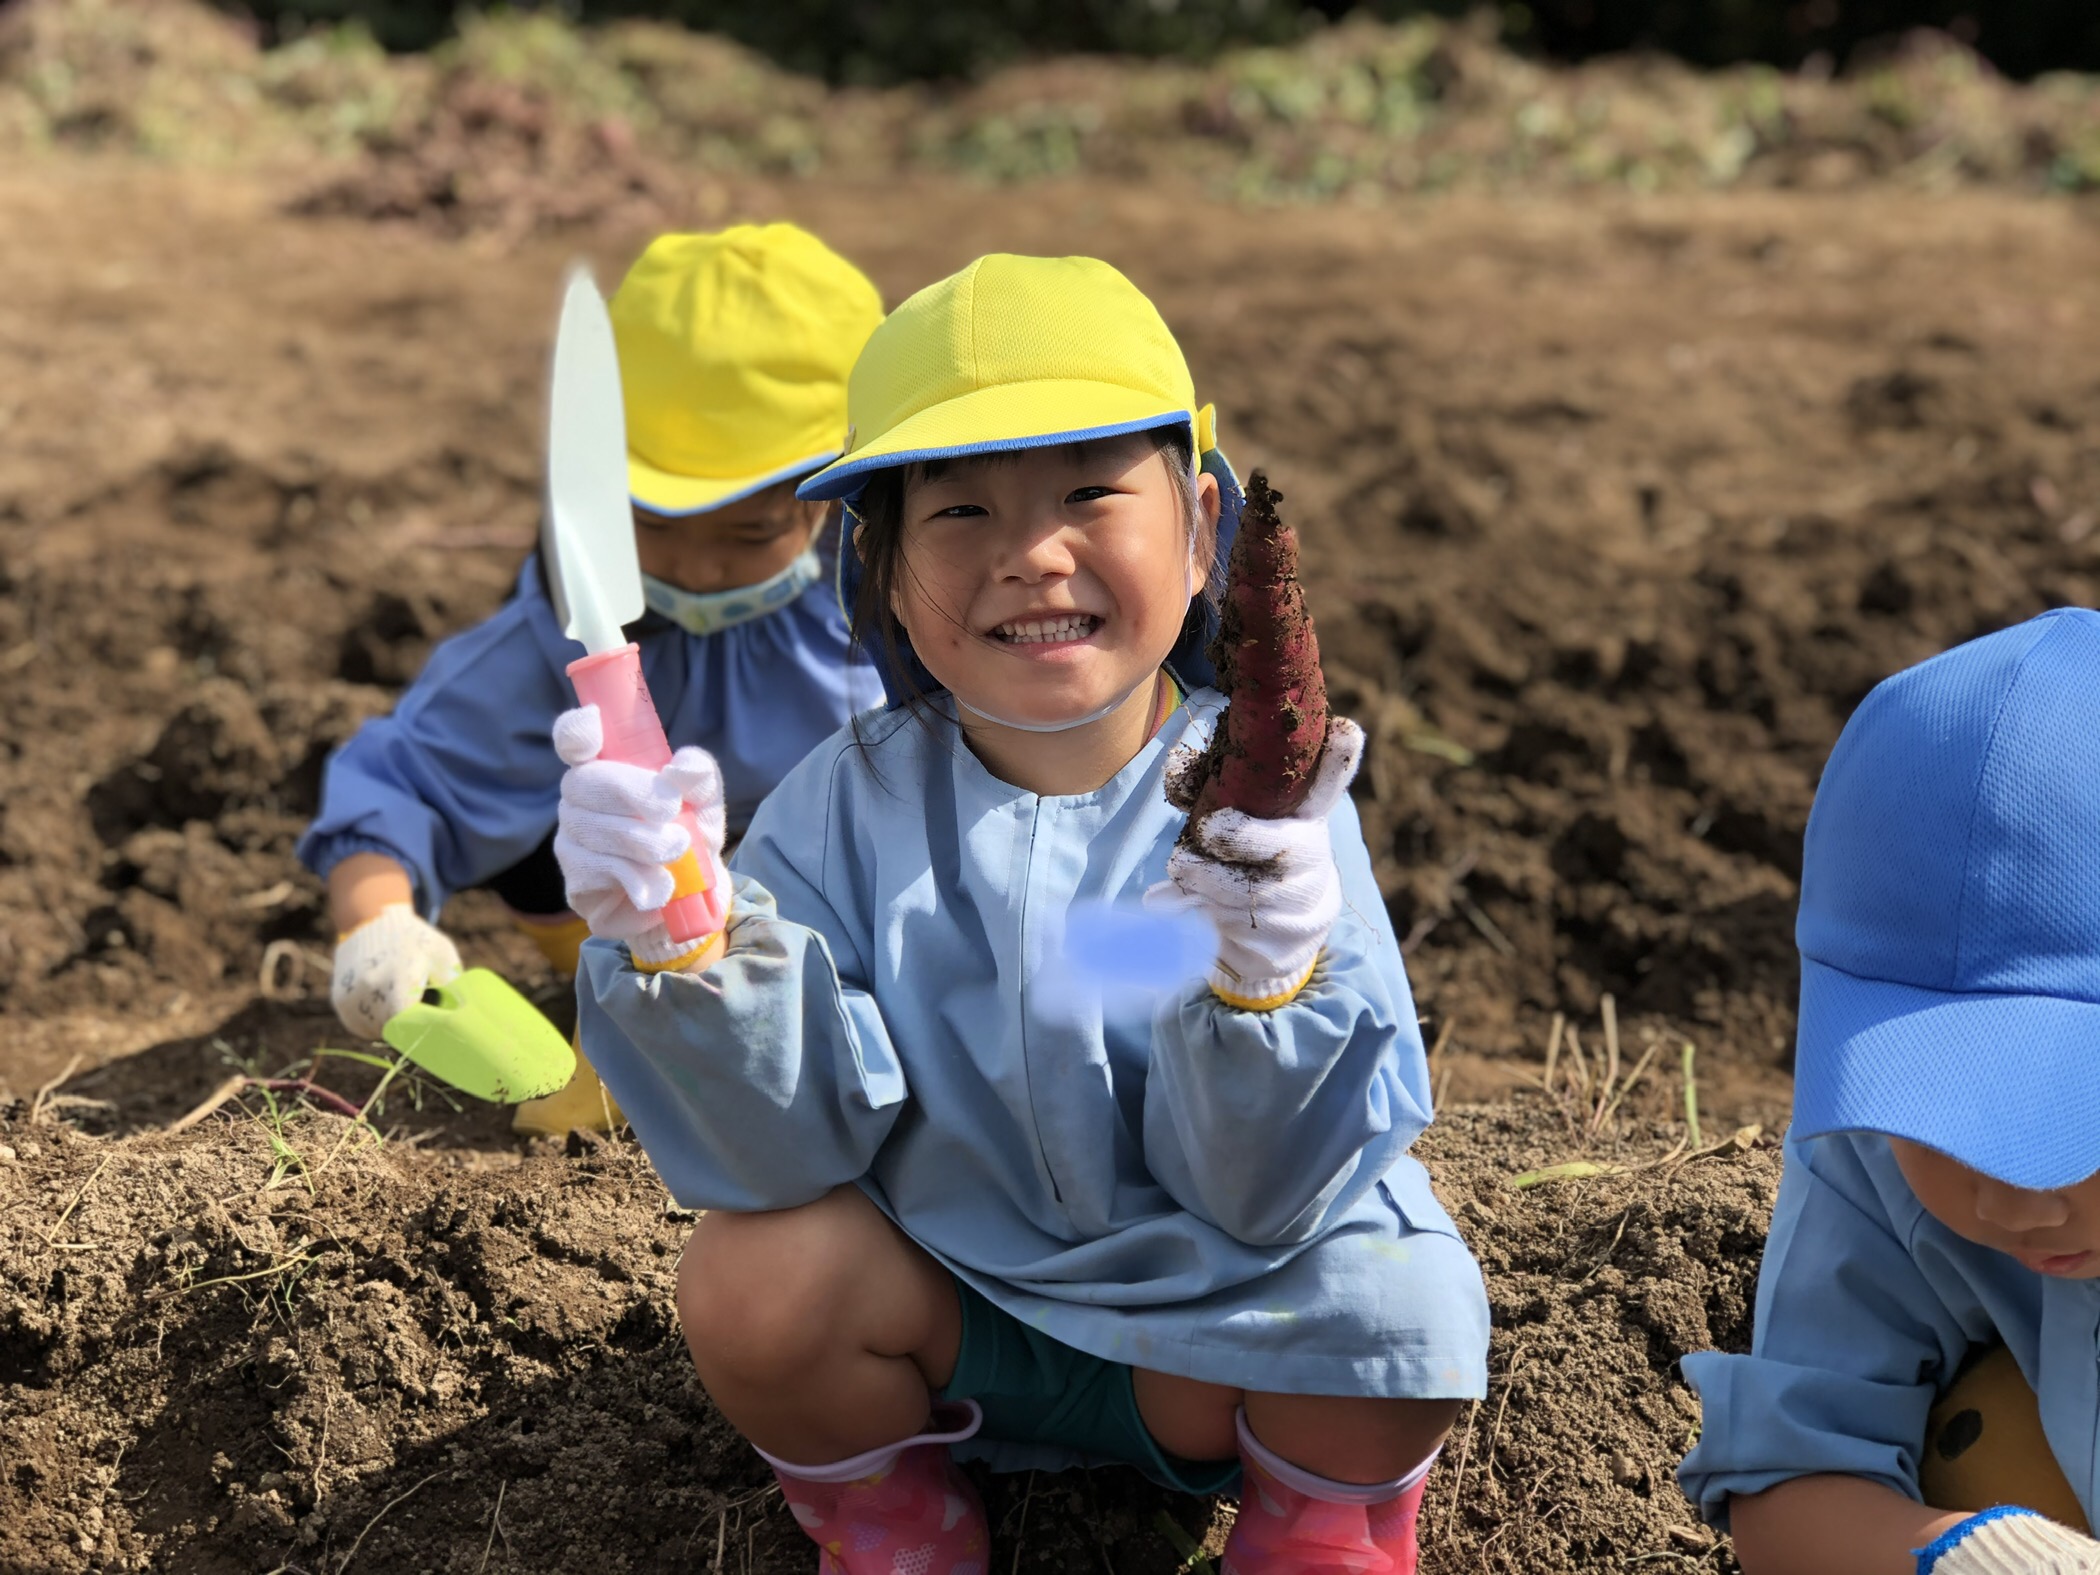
(2002, 1083)
(845, 482)
(736, 494)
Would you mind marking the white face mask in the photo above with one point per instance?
(710, 612)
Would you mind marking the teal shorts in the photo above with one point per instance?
(1034, 1390)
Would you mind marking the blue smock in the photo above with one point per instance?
(460, 782)
(1218, 1194)
(1866, 1307)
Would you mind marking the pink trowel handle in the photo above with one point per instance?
(634, 735)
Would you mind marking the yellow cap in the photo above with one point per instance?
(1013, 352)
(734, 350)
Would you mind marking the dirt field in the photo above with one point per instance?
(1614, 508)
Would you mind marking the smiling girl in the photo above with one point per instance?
(949, 1201)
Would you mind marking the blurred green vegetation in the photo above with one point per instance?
(524, 115)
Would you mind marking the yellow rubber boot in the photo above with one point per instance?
(558, 939)
(584, 1105)
(1984, 1447)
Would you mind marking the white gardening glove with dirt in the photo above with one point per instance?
(384, 965)
(1269, 887)
(618, 827)
(2019, 1543)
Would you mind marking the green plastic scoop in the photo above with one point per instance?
(478, 1034)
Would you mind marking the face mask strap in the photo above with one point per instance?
(1056, 727)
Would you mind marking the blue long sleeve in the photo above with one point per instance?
(1269, 1124)
(1861, 1316)
(461, 781)
(762, 1083)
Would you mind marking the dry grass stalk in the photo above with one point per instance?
(1610, 1007)
(1439, 1068)
(51, 1236)
(1691, 1092)
(398, 1498)
(240, 1083)
(1606, 1111)
(495, 1521)
(1579, 1061)
(42, 1100)
(1740, 1141)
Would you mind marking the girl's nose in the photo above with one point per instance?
(1045, 554)
(2017, 1209)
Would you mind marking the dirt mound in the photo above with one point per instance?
(270, 1342)
(166, 872)
(1597, 1287)
(522, 122)
(1611, 511)
(1602, 567)
(502, 159)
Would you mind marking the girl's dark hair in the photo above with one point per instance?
(877, 521)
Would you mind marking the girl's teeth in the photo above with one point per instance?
(1047, 631)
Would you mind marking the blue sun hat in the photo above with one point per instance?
(1014, 353)
(1950, 910)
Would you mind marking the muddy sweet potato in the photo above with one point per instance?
(1262, 757)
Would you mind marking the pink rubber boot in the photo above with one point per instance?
(1294, 1523)
(903, 1509)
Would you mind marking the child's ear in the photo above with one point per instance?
(1203, 552)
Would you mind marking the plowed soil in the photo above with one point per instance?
(1613, 509)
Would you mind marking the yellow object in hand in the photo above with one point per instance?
(1984, 1447)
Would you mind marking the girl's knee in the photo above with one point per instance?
(1187, 1417)
(756, 1291)
(1351, 1438)
(765, 1298)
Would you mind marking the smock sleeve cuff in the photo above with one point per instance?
(1766, 1422)
(324, 854)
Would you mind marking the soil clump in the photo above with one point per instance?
(270, 1342)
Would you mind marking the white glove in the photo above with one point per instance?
(618, 827)
(385, 964)
(2022, 1543)
(1270, 887)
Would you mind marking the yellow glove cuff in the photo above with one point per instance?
(668, 964)
(1264, 1003)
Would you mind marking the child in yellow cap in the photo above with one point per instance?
(734, 350)
(958, 1194)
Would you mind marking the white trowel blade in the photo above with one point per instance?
(587, 536)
